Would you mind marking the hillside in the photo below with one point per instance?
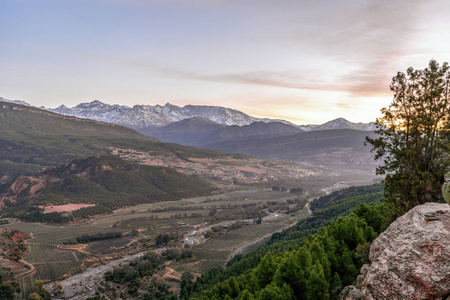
(35, 121)
(326, 147)
(288, 260)
(255, 129)
(32, 135)
(190, 131)
(35, 136)
(199, 131)
(108, 182)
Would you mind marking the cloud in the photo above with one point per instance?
(360, 83)
(351, 47)
(371, 37)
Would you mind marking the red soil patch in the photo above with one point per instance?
(171, 274)
(19, 237)
(63, 208)
(16, 268)
(37, 187)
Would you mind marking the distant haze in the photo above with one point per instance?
(302, 61)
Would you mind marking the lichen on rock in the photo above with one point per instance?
(411, 259)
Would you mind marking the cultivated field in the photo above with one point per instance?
(142, 223)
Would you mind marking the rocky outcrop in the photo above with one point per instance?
(411, 259)
(353, 292)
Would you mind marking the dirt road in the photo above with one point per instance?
(81, 286)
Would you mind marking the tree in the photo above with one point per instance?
(317, 286)
(265, 270)
(413, 137)
(40, 291)
(7, 288)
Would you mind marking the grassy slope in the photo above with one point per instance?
(33, 135)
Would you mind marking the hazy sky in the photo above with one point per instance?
(305, 61)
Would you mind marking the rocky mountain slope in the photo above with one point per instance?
(340, 123)
(144, 116)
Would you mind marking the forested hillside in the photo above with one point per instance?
(108, 182)
(294, 262)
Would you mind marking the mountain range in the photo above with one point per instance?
(338, 142)
(141, 117)
(144, 116)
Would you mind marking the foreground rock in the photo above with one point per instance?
(411, 259)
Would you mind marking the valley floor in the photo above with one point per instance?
(214, 227)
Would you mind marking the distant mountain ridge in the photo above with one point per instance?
(321, 147)
(145, 116)
(35, 136)
(140, 117)
(340, 123)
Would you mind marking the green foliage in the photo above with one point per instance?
(263, 274)
(8, 288)
(345, 206)
(177, 253)
(12, 170)
(145, 266)
(163, 239)
(35, 215)
(110, 183)
(294, 269)
(414, 141)
(317, 286)
(316, 268)
(131, 274)
(39, 291)
(335, 197)
(86, 238)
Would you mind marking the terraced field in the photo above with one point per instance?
(48, 261)
(51, 262)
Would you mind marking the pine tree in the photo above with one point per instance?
(413, 137)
